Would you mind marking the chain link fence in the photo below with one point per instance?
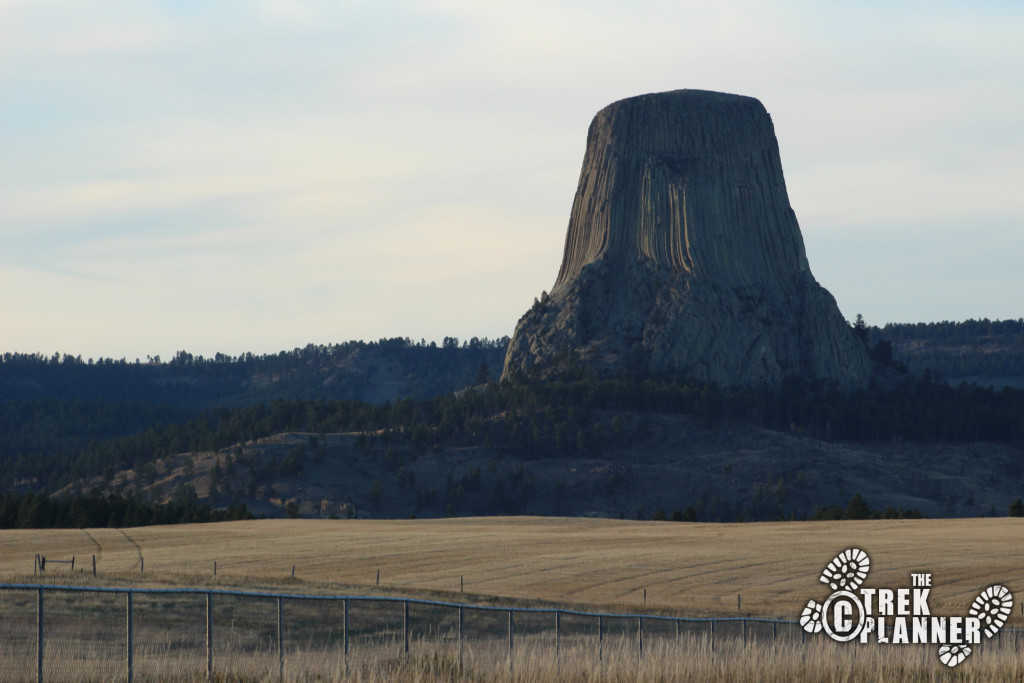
(73, 633)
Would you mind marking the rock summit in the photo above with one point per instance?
(684, 256)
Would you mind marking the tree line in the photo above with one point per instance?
(331, 371)
(1007, 330)
(989, 349)
(39, 511)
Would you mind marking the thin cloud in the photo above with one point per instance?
(277, 173)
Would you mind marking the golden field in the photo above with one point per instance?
(606, 565)
(687, 569)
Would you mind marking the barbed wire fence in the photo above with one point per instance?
(71, 633)
(57, 632)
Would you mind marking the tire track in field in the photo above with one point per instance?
(99, 547)
(138, 548)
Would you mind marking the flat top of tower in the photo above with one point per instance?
(685, 98)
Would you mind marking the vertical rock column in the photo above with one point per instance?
(683, 255)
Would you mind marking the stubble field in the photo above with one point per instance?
(686, 569)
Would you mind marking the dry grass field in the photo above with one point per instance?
(686, 569)
(605, 565)
(694, 660)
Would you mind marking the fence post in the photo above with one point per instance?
(405, 626)
(640, 636)
(94, 566)
(209, 636)
(280, 638)
(129, 636)
(511, 626)
(39, 636)
(600, 638)
(744, 625)
(558, 642)
(677, 630)
(712, 635)
(461, 627)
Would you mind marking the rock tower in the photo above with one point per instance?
(684, 256)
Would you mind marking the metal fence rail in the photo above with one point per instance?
(54, 632)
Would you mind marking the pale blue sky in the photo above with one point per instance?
(254, 176)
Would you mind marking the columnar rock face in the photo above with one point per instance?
(683, 255)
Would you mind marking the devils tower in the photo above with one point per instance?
(683, 256)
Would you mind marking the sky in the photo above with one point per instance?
(233, 176)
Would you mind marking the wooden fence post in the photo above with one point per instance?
(94, 566)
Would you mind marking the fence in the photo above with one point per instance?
(57, 633)
(53, 633)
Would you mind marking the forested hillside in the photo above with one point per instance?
(575, 419)
(355, 370)
(144, 429)
(984, 351)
